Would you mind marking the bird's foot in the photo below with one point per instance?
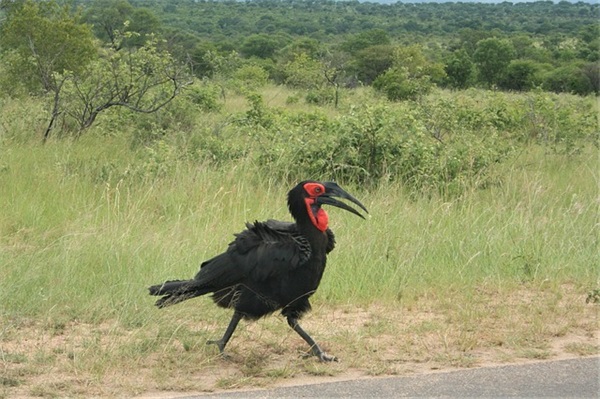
(221, 345)
(322, 356)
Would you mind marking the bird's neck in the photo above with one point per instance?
(317, 215)
(319, 219)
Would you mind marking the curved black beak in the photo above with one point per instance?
(333, 190)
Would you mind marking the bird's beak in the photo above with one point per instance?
(333, 190)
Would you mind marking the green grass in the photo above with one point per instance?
(87, 225)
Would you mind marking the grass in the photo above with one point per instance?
(496, 275)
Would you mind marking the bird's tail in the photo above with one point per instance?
(176, 291)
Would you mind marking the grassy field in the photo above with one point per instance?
(499, 274)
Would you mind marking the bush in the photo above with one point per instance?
(568, 79)
(251, 76)
(205, 96)
(397, 85)
(521, 75)
(321, 96)
(379, 142)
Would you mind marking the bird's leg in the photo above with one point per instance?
(315, 349)
(230, 329)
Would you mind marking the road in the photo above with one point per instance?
(573, 378)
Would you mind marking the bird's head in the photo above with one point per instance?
(306, 198)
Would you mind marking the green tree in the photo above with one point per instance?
(262, 45)
(459, 69)
(111, 17)
(308, 46)
(592, 71)
(492, 57)
(521, 75)
(411, 75)
(141, 80)
(372, 61)
(368, 38)
(568, 79)
(304, 73)
(40, 39)
(108, 17)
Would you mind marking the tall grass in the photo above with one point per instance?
(79, 247)
(538, 224)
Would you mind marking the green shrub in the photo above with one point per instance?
(397, 85)
(251, 76)
(205, 95)
(322, 96)
(568, 79)
(377, 143)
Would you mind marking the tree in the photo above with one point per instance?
(40, 39)
(304, 73)
(492, 57)
(592, 71)
(142, 80)
(568, 79)
(521, 75)
(459, 69)
(411, 75)
(108, 17)
(262, 45)
(372, 61)
(368, 38)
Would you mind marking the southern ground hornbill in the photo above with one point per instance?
(271, 265)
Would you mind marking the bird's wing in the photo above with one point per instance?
(270, 248)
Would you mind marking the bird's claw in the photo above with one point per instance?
(324, 357)
(217, 342)
(221, 346)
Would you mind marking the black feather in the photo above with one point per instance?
(269, 266)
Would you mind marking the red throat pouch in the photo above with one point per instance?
(318, 216)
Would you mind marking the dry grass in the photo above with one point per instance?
(519, 324)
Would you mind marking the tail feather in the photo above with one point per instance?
(176, 291)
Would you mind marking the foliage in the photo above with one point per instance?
(262, 45)
(492, 57)
(205, 95)
(251, 76)
(410, 77)
(143, 80)
(522, 75)
(40, 39)
(111, 18)
(371, 62)
(366, 39)
(459, 69)
(569, 79)
(508, 46)
(366, 33)
(108, 17)
(304, 72)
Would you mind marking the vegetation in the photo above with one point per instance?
(482, 183)
(482, 242)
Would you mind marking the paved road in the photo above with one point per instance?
(574, 378)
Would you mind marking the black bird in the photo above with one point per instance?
(271, 265)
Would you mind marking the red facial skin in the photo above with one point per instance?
(320, 219)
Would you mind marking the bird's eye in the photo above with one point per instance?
(314, 189)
